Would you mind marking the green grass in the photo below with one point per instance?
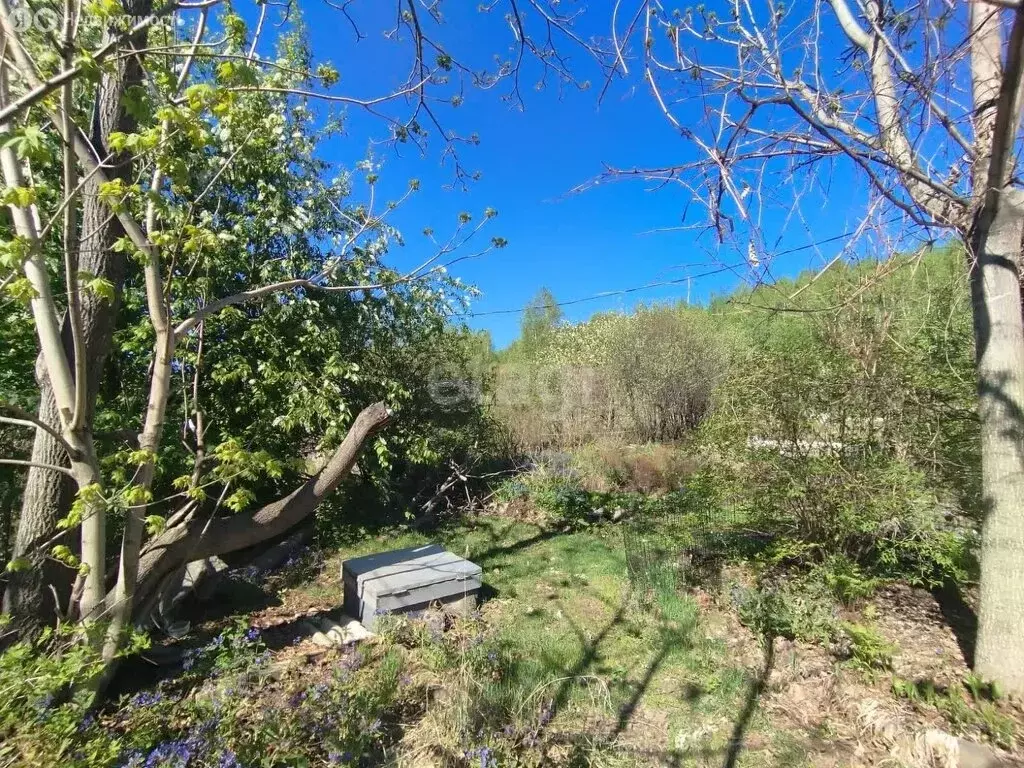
(629, 677)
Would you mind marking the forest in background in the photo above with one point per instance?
(208, 361)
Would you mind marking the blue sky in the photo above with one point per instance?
(574, 244)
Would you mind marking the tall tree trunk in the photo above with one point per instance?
(999, 335)
(48, 495)
(45, 500)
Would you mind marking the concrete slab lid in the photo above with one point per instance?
(401, 570)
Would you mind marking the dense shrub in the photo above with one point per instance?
(652, 468)
(649, 376)
(880, 515)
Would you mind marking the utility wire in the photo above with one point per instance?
(662, 283)
(620, 292)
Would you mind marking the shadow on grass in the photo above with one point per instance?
(496, 549)
(755, 690)
(585, 747)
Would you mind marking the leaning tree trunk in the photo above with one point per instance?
(999, 336)
(48, 495)
(201, 537)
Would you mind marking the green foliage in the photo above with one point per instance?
(966, 717)
(46, 717)
(643, 377)
(791, 608)
(541, 318)
(876, 514)
(563, 498)
(250, 201)
(847, 580)
(869, 650)
(187, 720)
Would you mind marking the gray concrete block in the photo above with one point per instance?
(407, 581)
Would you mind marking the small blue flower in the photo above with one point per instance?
(252, 635)
(170, 754)
(134, 759)
(146, 699)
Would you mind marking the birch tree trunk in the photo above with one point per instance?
(999, 335)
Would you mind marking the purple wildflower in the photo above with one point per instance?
(146, 699)
(170, 754)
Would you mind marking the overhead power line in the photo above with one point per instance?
(662, 283)
(620, 292)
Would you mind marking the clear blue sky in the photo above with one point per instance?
(576, 245)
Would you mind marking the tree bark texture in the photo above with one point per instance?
(48, 495)
(999, 335)
(202, 537)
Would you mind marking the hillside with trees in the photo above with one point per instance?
(778, 525)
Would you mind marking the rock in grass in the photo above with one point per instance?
(328, 633)
(974, 755)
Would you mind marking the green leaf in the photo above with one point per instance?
(137, 495)
(21, 197)
(28, 142)
(22, 290)
(196, 494)
(239, 500)
(18, 564)
(112, 193)
(155, 524)
(327, 74)
(98, 286)
(142, 456)
(62, 553)
(137, 104)
(181, 482)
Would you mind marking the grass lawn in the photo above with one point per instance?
(570, 663)
(595, 673)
